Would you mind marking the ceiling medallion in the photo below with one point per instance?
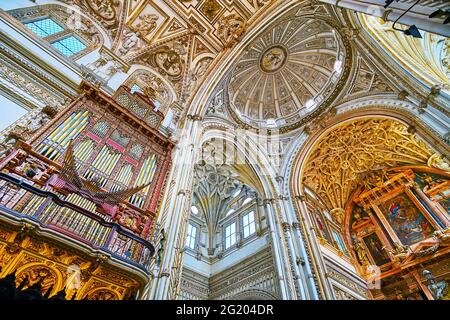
(289, 74)
(273, 59)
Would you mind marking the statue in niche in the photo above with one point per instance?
(438, 289)
(130, 41)
(360, 251)
(359, 213)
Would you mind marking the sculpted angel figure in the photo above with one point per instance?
(131, 40)
(147, 23)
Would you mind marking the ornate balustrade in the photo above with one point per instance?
(22, 200)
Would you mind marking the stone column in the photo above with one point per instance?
(175, 207)
(299, 257)
(316, 252)
(281, 254)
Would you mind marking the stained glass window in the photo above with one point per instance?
(69, 46)
(45, 27)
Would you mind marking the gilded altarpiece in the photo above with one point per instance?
(398, 227)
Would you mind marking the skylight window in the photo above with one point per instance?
(247, 200)
(194, 210)
(69, 46)
(45, 27)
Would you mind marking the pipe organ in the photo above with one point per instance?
(120, 162)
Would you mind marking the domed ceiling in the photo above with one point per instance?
(286, 73)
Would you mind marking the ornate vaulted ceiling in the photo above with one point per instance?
(427, 58)
(346, 152)
(287, 72)
(178, 39)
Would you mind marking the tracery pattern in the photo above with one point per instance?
(344, 154)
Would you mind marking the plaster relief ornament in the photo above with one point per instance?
(288, 73)
(8, 144)
(338, 215)
(155, 87)
(273, 59)
(105, 66)
(231, 30)
(76, 22)
(130, 41)
(168, 62)
(194, 77)
(439, 162)
(103, 8)
(147, 24)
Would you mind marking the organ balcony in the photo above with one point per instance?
(94, 175)
(26, 195)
